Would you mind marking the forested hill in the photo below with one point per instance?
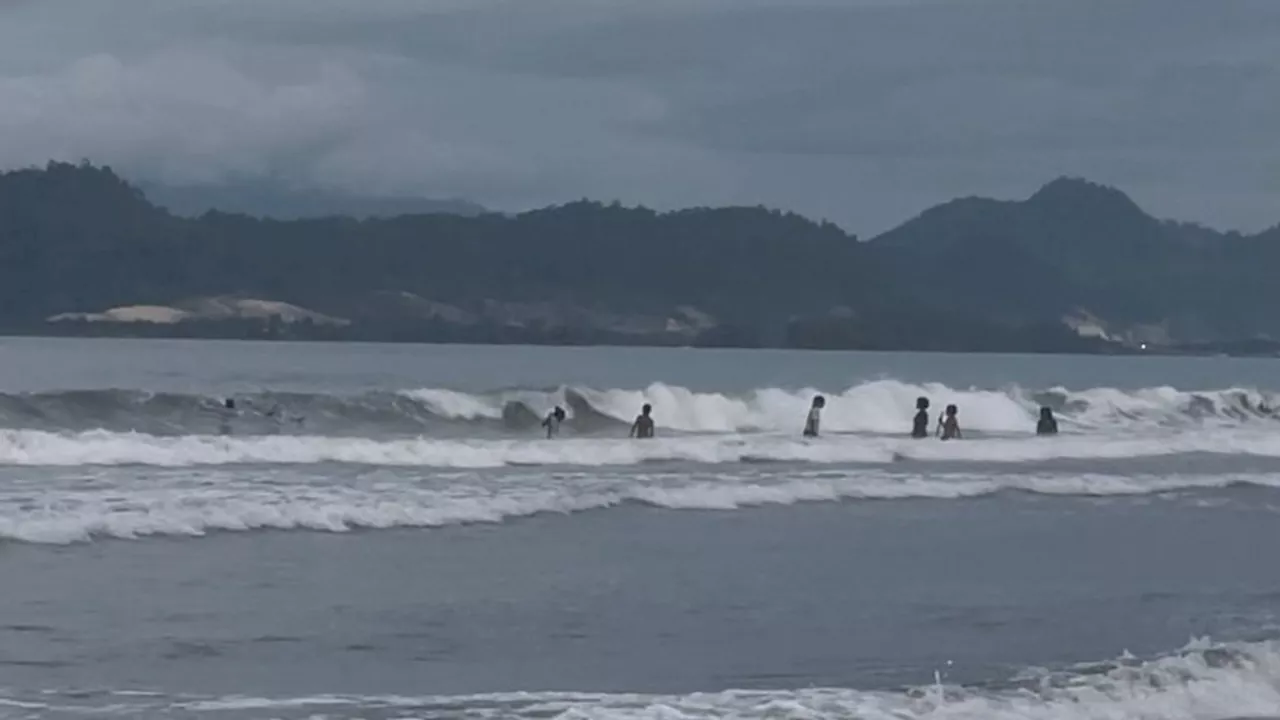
(272, 200)
(81, 246)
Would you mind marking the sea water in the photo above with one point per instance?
(383, 531)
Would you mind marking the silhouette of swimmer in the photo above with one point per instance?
(920, 424)
(1047, 425)
(277, 413)
(552, 421)
(228, 411)
(643, 426)
(814, 419)
(949, 424)
(1261, 409)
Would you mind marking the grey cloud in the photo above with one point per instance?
(862, 112)
(188, 116)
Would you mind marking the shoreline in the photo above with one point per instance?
(1269, 350)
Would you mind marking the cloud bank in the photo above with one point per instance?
(862, 112)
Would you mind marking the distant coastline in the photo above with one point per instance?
(1075, 268)
(1256, 349)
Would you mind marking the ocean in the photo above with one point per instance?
(382, 531)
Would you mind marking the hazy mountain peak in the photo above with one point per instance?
(1078, 194)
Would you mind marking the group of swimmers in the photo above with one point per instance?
(641, 428)
(948, 427)
(948, 422)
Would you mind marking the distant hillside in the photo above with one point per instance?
(1075, 267)
(1076, 245)
(269, 200)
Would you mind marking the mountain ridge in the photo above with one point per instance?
(277, 202)
(970, 274)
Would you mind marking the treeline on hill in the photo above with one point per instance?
(972, 274)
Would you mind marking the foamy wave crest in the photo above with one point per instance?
(99, 447)
(159, 505)
(882, 406)
(1202, 682)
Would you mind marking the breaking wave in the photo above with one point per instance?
(1203, 680)
(882, 406)
(440, 428)
(164, 506)
(101, 447)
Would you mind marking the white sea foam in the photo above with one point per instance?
(881, 406)
(1201, 682)
(52, 510)
(40, 448)
(454, 404)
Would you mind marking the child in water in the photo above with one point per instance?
(920, 425)
(812, 422)
(552, 422)
(1047, 425)
(949, 424)
(643, 426)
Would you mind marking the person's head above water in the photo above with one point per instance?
(558, 412)
(922, 403)
(1046, 413)
(229, 403)
(646, 409)
(819, 401)
(952, 409)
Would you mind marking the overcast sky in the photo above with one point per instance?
(860, 111)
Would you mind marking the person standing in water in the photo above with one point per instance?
(552, 422)
(1047, 425)
(643, 426)
(225, 414)
(949, 424)
(920, 424)
(812, 422)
